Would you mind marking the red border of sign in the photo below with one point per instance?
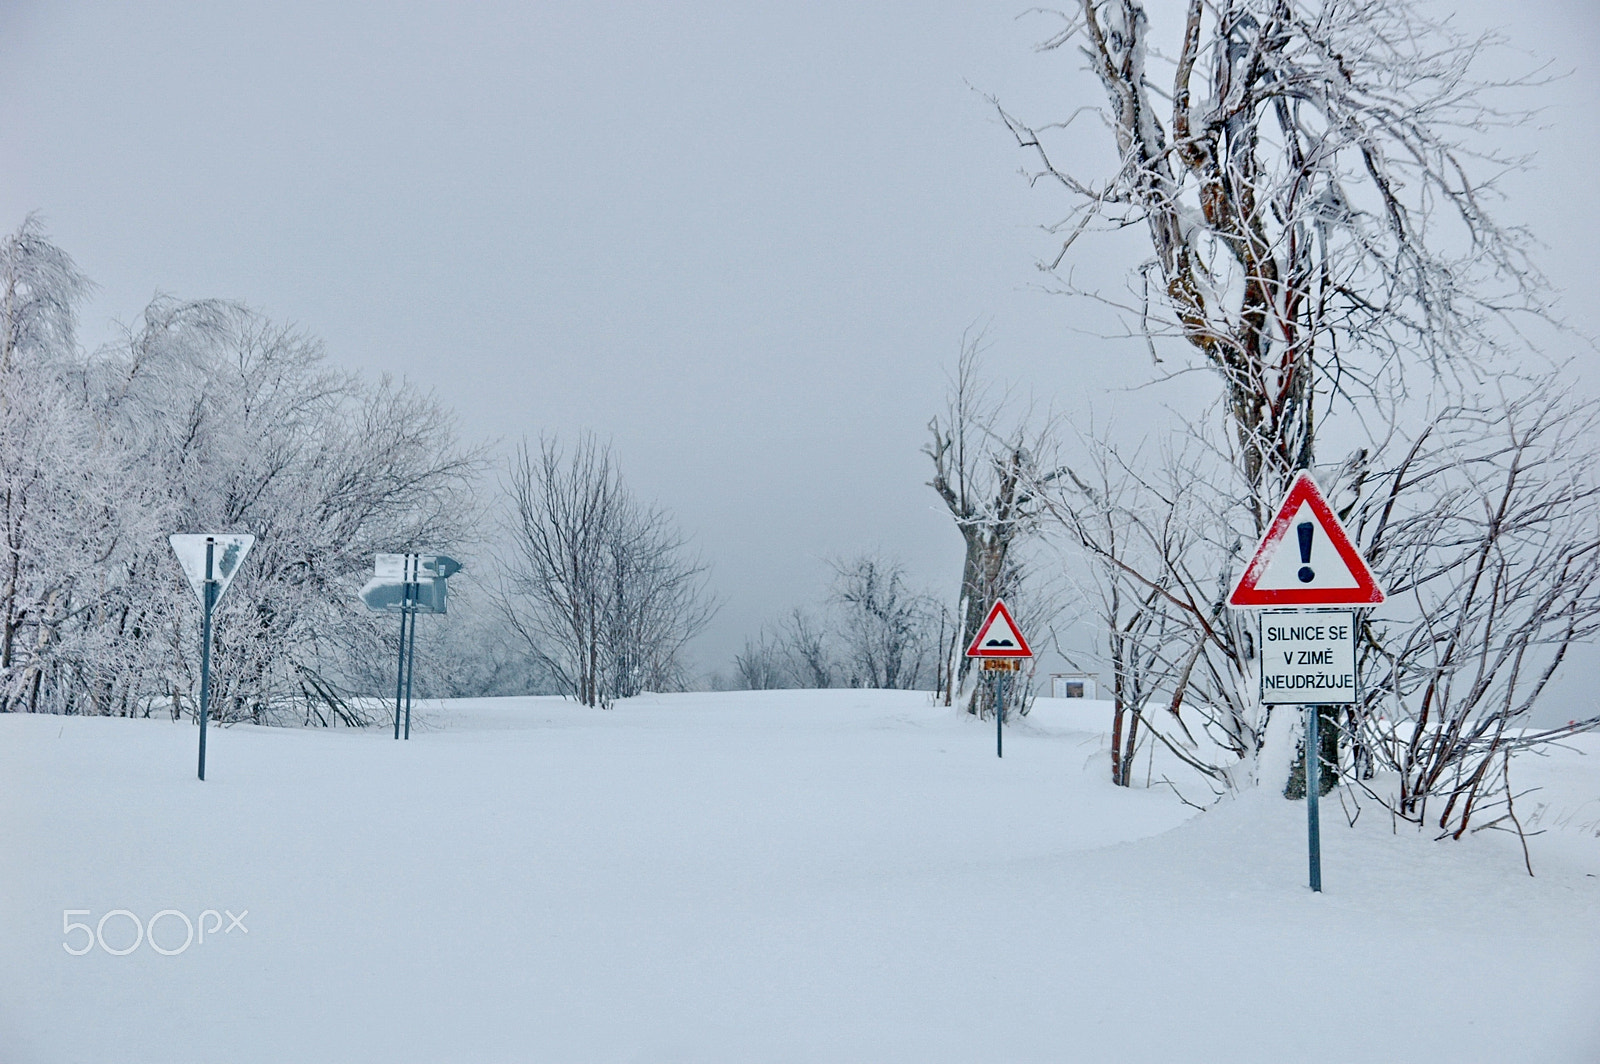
(976, 649)
(1246, 594)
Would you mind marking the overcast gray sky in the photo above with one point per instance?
(742, 240)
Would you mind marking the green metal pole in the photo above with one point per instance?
(411, 667)
(1313, 787)
(999, 711)
(400, 669)
(210, 586)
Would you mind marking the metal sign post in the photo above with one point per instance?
(209, 597)
(210, 563)
(1000, 645)
(1307, 656)
(1000, 666)
(400, 668)
(411, 650)
(999, 714)
(1313, 792)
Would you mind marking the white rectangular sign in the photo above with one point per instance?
(402, 567)
(1308, 657)
(389, 567)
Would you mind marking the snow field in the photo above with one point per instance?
(775, 876)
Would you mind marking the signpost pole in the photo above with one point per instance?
(1313, 788)
(999, 711)
(210, 600)
(411, 667)
(209, 562)
(400, 667)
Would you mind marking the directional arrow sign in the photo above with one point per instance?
(227, 553)
(998, 636)
(440, 565)
(383, 595)
(1306, 558)
(425, 574)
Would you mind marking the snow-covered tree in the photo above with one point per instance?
(888, 631)
(246, 428)
(760, 665)
(1140, 539)
(58, 481)
(1486, 532)
(808, 653)
(1314, 181)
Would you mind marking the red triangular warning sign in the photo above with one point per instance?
(999, 637)
(1306, 558)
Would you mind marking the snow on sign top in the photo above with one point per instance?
(227, 553)
(1306, 558)
(998, 636)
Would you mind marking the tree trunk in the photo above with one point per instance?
(1328, 756)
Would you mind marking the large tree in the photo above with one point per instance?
(56, 485)
(1313, 178)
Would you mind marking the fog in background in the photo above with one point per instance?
(742, 241)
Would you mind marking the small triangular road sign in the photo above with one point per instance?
(1306, 558)
(999, 637)
(227, 553)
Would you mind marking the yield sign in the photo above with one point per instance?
(227, 551)
(998, 636)
(1306, 558)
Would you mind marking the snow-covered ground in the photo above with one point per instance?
(778, 876)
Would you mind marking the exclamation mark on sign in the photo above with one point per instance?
(1303, 530)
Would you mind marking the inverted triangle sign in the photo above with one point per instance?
(999, 637)
(227, 552)
(1306, 558)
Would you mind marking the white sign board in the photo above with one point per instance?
(227, 553)
(404, 568)
(1308, 657)
(389, 567)
(420, 596)
(400, 568)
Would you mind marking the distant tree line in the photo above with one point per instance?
(873, 631)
